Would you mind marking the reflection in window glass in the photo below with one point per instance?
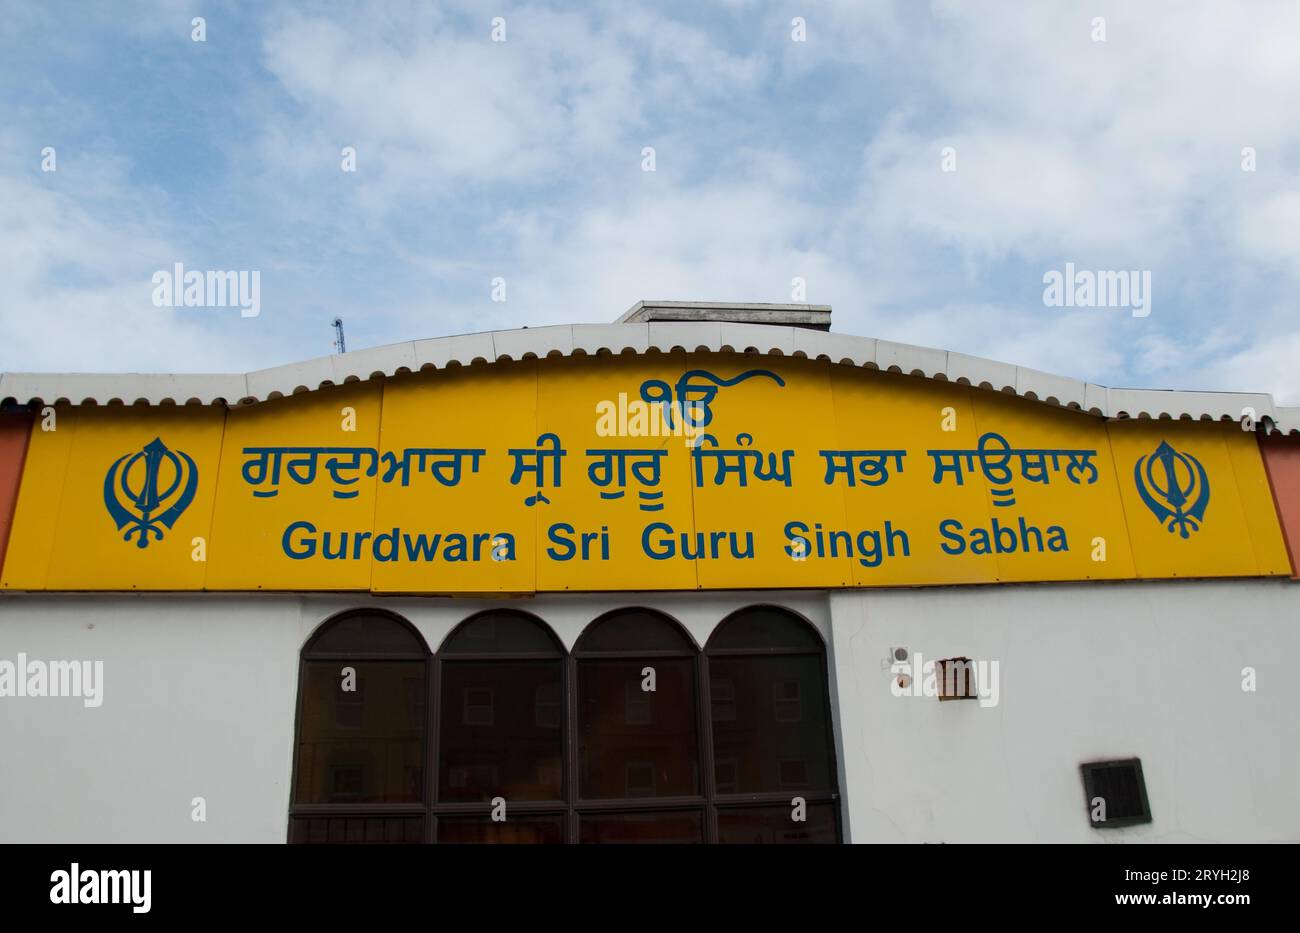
(479, 706)
(640, 780)
(350, 706)
(787, 700)
(776, 825)
(621, 725)
(631, 631)
(504, 702)
(364, 746)
(549, 706)
(365, 829)
(665, 826)
(724, 775)
(364, 634)
(636, 704)
(722, 694)
(764, 628)
(500, 633)
(498, 735)
(774, 740)
(515, 830)
(416, 693)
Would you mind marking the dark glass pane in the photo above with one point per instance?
(632, 742)
(667, 827)
(516, 829)
(366, 829)
(502, 633)
(770, 726)
(775, 825)
(502, 730)
(764, 629)
(364, 745)
(634, 630)
(366, 635)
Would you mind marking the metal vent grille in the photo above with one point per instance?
(1116, 793)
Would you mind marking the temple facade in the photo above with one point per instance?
(711, 573)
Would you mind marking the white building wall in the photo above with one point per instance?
(199, 701)
(200, 694)
(1087, 672)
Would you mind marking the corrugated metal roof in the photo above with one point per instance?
(653, 337)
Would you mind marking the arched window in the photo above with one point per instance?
(638, 731)
(771, 730)
(359, 773)
(635, 737)
(501, 734)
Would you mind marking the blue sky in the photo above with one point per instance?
(775, 159)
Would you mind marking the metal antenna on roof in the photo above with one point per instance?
(339, 343)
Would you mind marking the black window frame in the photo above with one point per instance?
(571, 808)
(590, 806)
(433, 762)
(310, 653)
(738, 801)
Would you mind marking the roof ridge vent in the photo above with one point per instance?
(812, 317)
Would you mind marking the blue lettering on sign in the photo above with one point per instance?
(301, 540)
(869, 547)
(660, 542)
(694, 394)
(1001, 539)
(565, 548)
(306, 548)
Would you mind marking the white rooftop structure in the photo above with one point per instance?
(648, 327)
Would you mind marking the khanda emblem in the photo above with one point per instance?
(693, 394)
(147, 491)
(1174, 487)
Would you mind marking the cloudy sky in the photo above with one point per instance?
(774, 159)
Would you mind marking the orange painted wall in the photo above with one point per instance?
(14, 431)
(1282, 461)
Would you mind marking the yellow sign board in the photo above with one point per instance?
(65, 537)
(670, 472)
(273, 474)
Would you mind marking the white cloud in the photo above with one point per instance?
(77, 252)
(1271, 360)
(521, 159)
(1268, 229)
(434, 107)
(1065, 143)
(1124, 154)
(662, 241)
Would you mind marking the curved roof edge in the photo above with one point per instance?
(662, 337)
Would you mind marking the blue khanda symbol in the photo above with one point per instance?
(148, 489)
(1174, 487)
(695, 392)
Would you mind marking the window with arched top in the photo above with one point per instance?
(362, 727)
(502, 731)
(639, 730)
(637, 736)
(772, 746)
